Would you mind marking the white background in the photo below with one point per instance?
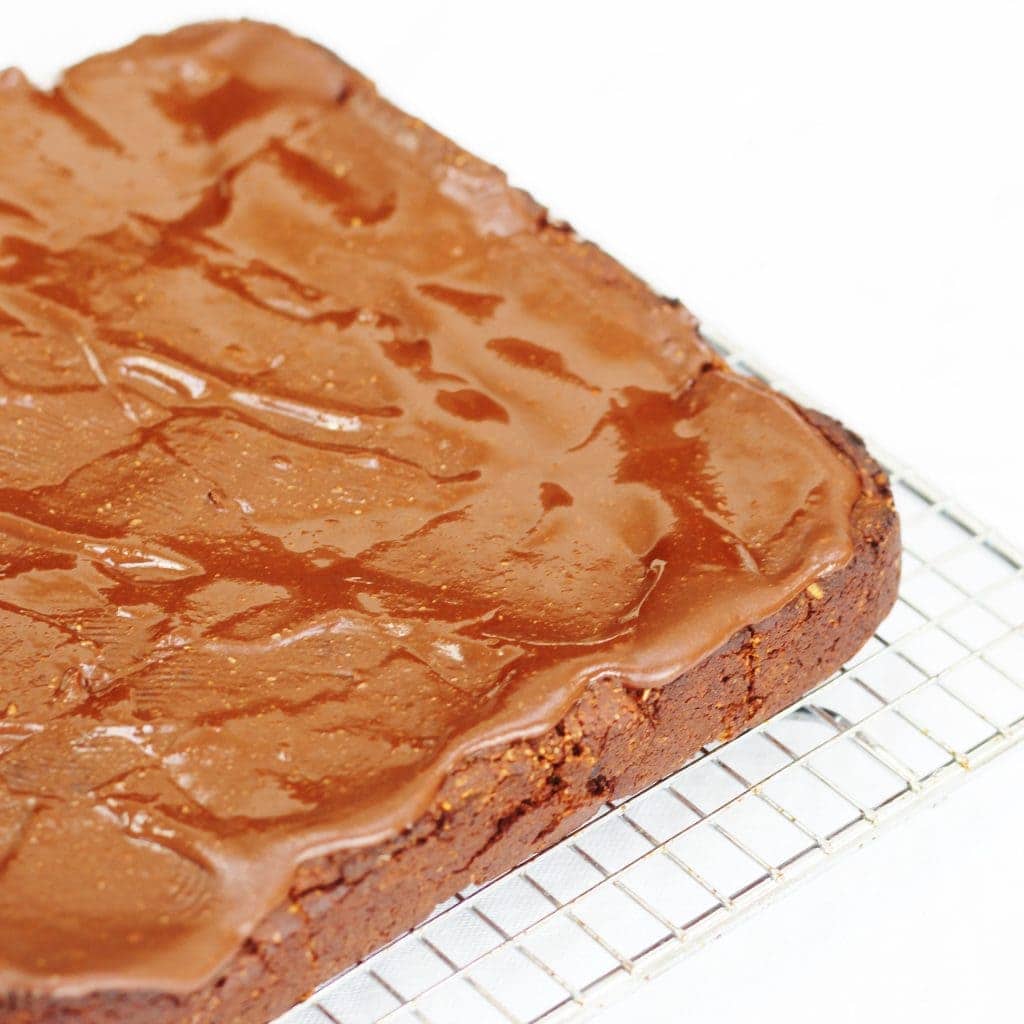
(840, 187)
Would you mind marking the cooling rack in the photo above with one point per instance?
(937, 692)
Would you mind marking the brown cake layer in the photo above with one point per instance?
(360, 530)
(501, 807)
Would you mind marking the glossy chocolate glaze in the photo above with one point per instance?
(324, 461)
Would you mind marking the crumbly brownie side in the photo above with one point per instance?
(502, 806)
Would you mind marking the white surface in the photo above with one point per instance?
(841, 190)
(916, 927)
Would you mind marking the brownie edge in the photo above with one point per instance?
(502, 806)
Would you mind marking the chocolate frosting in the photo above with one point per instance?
(325, 461)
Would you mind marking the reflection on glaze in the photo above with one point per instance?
(323, 461)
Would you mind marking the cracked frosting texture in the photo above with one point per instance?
(325, 460)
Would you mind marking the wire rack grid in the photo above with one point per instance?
(937, 692)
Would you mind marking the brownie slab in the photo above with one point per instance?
(361, 530)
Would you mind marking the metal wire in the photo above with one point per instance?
(938, 691)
